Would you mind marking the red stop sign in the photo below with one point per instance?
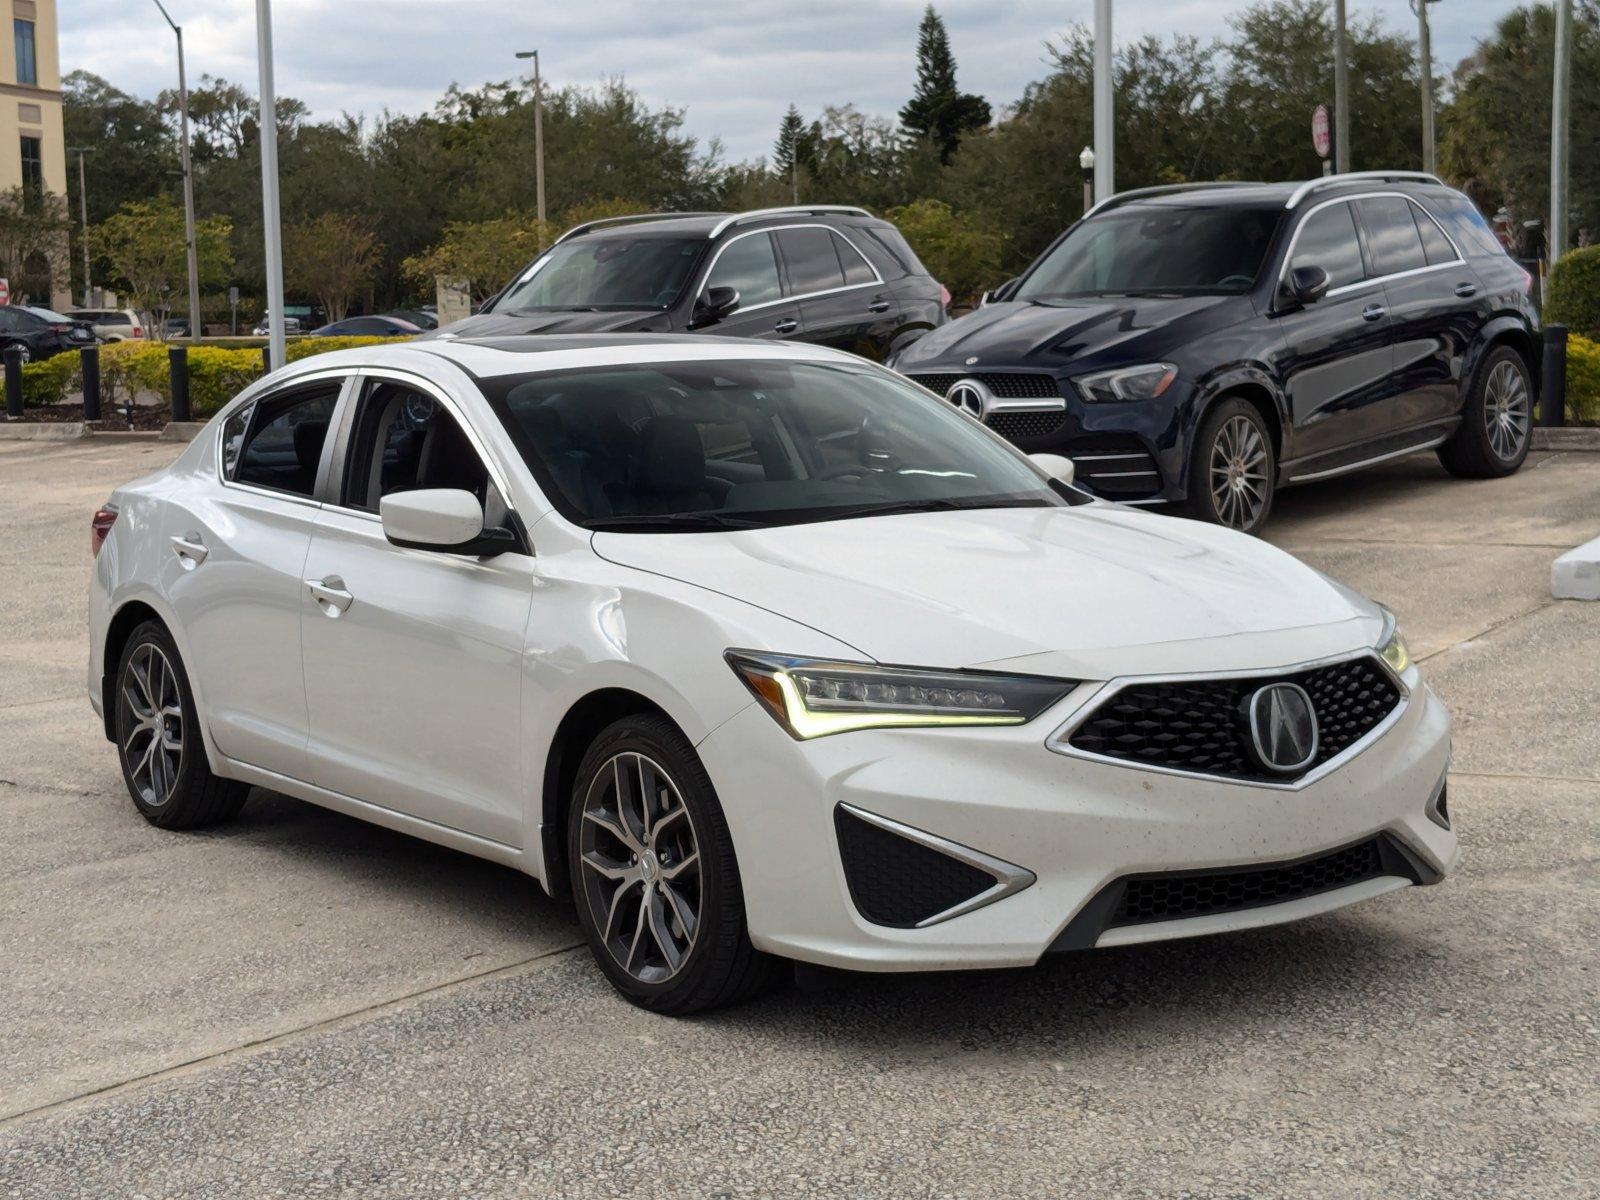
(1321, 135)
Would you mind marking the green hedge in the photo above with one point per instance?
(1572, 292)
(1583, 380)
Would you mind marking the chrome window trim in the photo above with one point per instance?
(1348, 288)
(757, 214)
(266, 393)
(705, 279)
(1008, 877)
(1059, 741)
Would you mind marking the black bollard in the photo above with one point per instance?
(178, 373)
(89, 365)
(13, 357)
(266, 360)
(1553, 390)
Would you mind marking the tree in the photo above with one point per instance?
(485, 253)
(794, 150)
(939, 110)
(144, 245)
(959, 253)
(33, 243)
(332, 258)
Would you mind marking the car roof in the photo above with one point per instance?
(1249, 195)
(710, 224)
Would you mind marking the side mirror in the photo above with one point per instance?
(1003, 292)
(1056, 466)
(1307, 285)
(447, 519)
(717, 303)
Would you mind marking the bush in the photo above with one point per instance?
(956, 250)
(49, 381)
(1572, 292)
(1583, 380)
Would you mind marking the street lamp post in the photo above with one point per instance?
(83, 214)
(188, 180)
(1341, 93)
(270, 224)
(1556, 235)
(1104, 125)
(1425, 58)
(1086, 162)
(538, 138)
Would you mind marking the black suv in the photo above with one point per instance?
(1208, 343)
(830, 274)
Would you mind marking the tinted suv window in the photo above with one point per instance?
(1392, 234)
(1466, 225)
(283, 449)
(1434, 243)
(750, 266)
(856, 269)
(812, 261)
(1328, 240)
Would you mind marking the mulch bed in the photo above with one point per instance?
(145, 416)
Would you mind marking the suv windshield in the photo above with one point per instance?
(742, 444)
(1146, 250)
(602, 273)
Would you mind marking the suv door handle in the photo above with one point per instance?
(1373, 312)
(190, 550)
(330, 595)
(1466, 289)
(785, 325)
(878, 306)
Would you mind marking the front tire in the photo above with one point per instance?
(1496, 421)
(158, 738)
(654, 875)
(1233, 471)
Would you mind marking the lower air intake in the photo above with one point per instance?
(895, 881)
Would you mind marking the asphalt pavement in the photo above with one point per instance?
(301, 1004)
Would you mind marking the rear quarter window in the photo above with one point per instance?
(1465, 224)
(888, 250)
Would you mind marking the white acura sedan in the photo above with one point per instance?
(758, 651)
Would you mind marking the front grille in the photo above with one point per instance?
(1014, 425)
(1179, 895)
(1200, 726)
(895, 881)
(1116, 466)
(1008, 385)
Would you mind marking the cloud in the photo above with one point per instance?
(734, 67)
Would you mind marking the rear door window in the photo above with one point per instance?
(1392, 237)
(1327, 239)
(812, 262)
(856, 269)
(1434, 242)
(283, 448)
(749, 265)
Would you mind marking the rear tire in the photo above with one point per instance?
(1233, 470)
(1496, 421)
(158, 738)
(654, 875)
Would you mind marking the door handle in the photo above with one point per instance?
(786, 325)
(190, 550)
(1373, 312)
(1466, 289)
(330, 594)
(878, 306)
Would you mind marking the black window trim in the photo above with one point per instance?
(270, 395)
(1371, 280)
(877, 276)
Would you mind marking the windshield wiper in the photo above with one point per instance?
(935, 504)
(708, 520)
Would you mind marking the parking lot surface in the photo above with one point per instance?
(301, 1004)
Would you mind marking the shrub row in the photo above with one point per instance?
(1572, 292)
(1583, 379)
(216, 373)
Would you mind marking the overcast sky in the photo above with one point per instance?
(735, 67)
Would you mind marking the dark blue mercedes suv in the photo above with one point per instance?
(1207, 344)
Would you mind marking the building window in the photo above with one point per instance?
(27, 61)
(32, 167)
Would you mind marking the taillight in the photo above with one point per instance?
(944, 297)
(100, 528)
(138, 331)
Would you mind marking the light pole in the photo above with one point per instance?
(1556, 235)
(1341, 93)
(538, 138)
(188, 181)
(83, 214)
(1104, 126)
(1086, 161)
(1425, 57)
(270, 224)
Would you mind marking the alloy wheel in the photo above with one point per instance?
(1238, 473)
(1507, 410)
(152, 724)
(640, 864)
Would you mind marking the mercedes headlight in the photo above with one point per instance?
(812, 698)
(1127, 383)
(1391, 646)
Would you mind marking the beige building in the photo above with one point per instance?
(32, 146)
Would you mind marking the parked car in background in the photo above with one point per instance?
(291, 325)
(111, 324)
(419, 317)
(175, 327)
(830, 274)
(368, 327)
(41, 332)
(1210, 343)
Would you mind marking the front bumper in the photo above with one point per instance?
(1076, 825)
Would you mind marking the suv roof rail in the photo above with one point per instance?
(757, 214)
(1311, 185)
(589, 226)
(1166, 189)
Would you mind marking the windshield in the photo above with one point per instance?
(742, 444)
(1148, 250)
(602, 273)
(49, 314)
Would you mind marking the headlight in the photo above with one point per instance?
(1127, 383)
(1391, 646)
(811, 698)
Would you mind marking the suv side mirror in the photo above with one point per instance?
(717, 303)
(446, 519)
(1307, 285)
(1003, 292)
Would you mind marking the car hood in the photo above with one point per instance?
(494, 324)
(1090, 592)
(1027, 332)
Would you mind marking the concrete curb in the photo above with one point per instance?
(181, 431)
(1580, 437)
(1576, 574)
(42, 431)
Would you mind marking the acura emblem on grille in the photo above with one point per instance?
(1283, 727)
(970, 396)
